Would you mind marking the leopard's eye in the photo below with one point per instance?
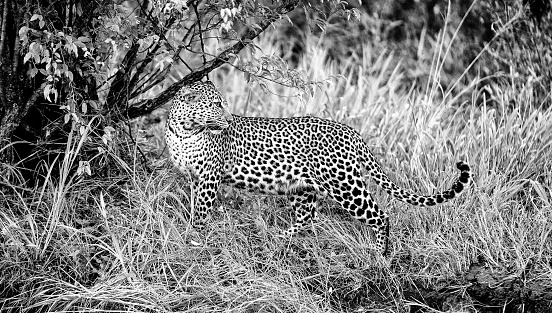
(192, 97)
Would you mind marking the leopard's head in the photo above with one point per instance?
(198, 107)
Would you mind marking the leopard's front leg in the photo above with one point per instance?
(205, 193)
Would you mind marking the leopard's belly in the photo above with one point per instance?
(280, 180)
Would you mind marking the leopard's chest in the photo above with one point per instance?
(188, 152)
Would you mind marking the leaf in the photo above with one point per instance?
(83, 39)
(541, 191)
(23, 31)
(33, 72)
(36, 17)
(94, 104)
(79, 8)
(27, 57)
(84, 167)
(79, 44)
(66, 118)
(79, 170)
(110, 130)
(47, 92)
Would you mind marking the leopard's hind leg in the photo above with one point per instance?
(351, 193)
(304, 206)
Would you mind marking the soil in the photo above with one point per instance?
(481, 288)
(491, 291)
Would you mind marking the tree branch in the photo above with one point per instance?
(145, 62)
(119, 88)
(147, 106)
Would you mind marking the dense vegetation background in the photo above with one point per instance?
(94, 218)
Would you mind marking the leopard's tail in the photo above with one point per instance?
(381, 179)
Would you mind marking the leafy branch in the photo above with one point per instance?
(147, 106)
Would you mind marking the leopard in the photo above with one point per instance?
(303, 158)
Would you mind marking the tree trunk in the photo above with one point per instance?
(12, 108)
